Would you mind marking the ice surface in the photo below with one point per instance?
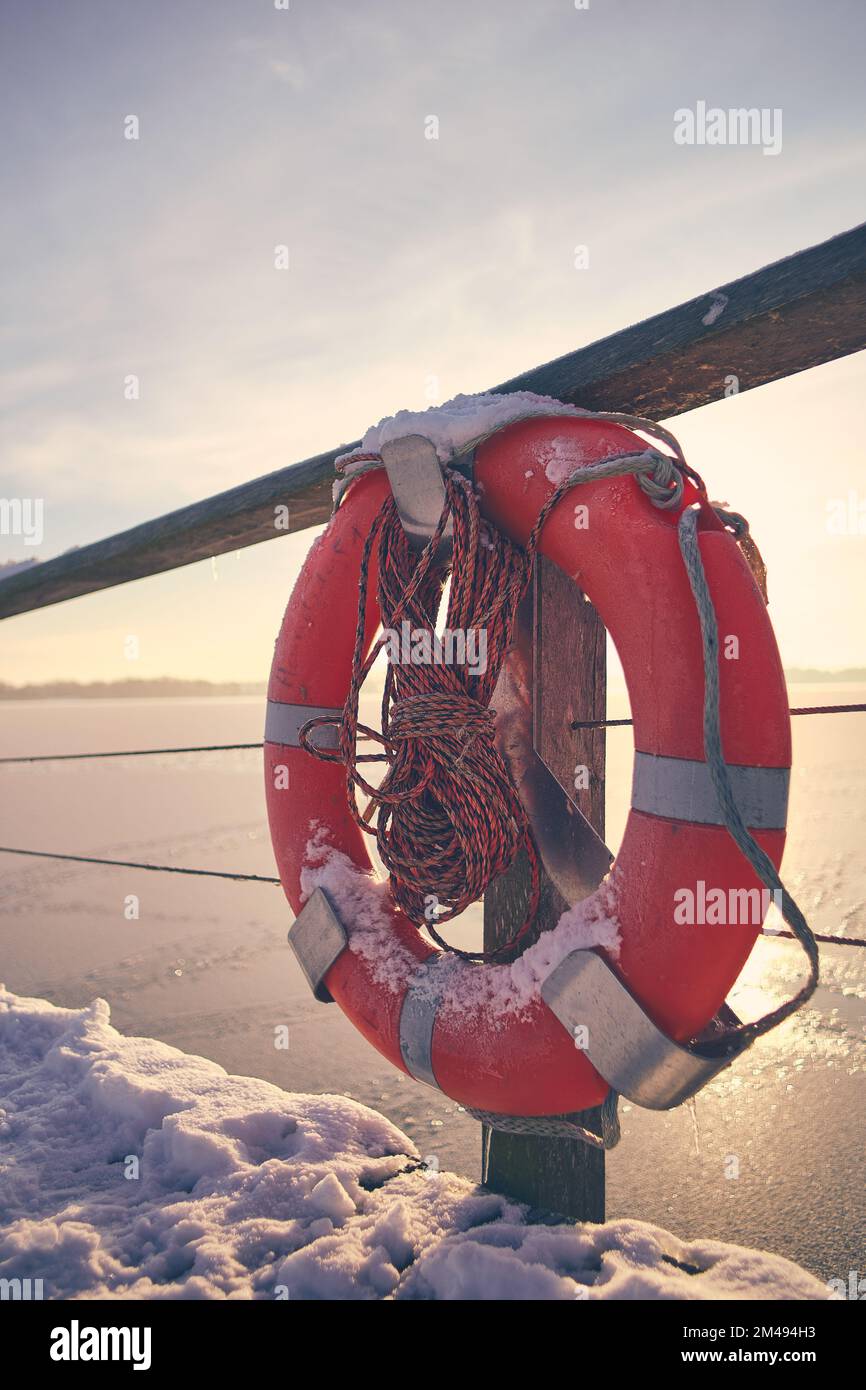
(131, 1170)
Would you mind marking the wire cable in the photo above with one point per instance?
(131, 864)
(801, 709)
(263, 878)
(232, 747)
(128, 753)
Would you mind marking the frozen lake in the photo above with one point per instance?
(206, 966)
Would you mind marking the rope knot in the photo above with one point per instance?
(445, 719)
(449, 818)
(661, 480)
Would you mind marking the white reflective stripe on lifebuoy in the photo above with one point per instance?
(680, 789)
(417, 1020)
(284, 722)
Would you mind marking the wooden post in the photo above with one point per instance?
(555, 1175)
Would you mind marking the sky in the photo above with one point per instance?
(417, 268)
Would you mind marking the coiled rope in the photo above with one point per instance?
(449, 818)
(558, 1126)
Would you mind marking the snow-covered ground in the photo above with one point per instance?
(129, 1169)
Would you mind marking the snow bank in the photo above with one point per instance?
(462, 421)
(130, 1170)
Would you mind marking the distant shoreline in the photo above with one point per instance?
(158, 689)
(806, 675)
(163, 688)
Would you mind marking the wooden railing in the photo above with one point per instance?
(797, 313)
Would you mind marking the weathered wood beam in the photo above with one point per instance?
(795, 314)
(231, 520)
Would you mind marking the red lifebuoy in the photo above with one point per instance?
(487, 1038)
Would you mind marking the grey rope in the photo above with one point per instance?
(661, 478)
(557, 1126)
(736, 1039)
